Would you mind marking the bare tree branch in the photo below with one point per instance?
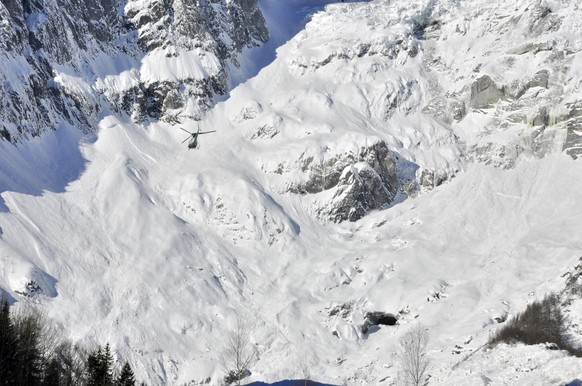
(414, 361)
(240, 353)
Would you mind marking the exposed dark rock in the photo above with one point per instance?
(574, 109)
(573, 143)
(248, 112)
(438, 108)
(398, 100)
(172, 100)
(363, 181)
(360, 189)
(540, 117)
(501, 156)
(542, 19)
(457, 109)
(342, 310)
(573, 278)
(485, 92)
(377, 318)
(431, 179)
(366, 185)
(47, 38)
(31, 288)
(5, 134)
(539, 79)
(446, 109)
(518, 88)
(552, 346)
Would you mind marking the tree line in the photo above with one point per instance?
(33, 353)
(541, 322)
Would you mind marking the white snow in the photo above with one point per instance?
(159, 66)
(156, 249)
(284, 20)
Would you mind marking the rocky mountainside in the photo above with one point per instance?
(512, 69)
(67, 61)
(425, 90)
(399, 161)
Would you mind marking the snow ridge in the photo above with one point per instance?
(450, 128)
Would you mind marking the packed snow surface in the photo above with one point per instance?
(137, 241)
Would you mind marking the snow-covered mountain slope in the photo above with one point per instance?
(414, 158)
(284, 20)
(64, 62)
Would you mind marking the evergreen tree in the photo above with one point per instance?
(108, 365)
(28, 353)
(93, 366)
(126, 378)
(7, 345)
(52, 374)
(99, 367)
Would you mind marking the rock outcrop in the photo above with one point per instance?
(360, 181)
(485, 92)
(62, 60)
(377, 318)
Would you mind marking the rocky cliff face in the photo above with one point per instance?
(358, 181)
(63, 61)
(434, 86)
(518, 76)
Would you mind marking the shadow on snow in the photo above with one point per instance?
(291, 382)
(46, 163)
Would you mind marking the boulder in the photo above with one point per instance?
(377, 318)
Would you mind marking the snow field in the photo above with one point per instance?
(139, 242)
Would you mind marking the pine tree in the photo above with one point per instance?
(52, 374)
(99, 367)
(126, 378)
(7, 345)
(28, 355)
(108, 365)
(93, 367)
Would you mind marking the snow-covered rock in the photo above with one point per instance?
(149, 59)
(448, 132)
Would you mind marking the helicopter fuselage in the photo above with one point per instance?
(193, 144)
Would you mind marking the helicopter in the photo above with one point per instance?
(193, 144)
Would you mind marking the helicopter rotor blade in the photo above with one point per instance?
(206, 132)
(186, 139)
(185, 130)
